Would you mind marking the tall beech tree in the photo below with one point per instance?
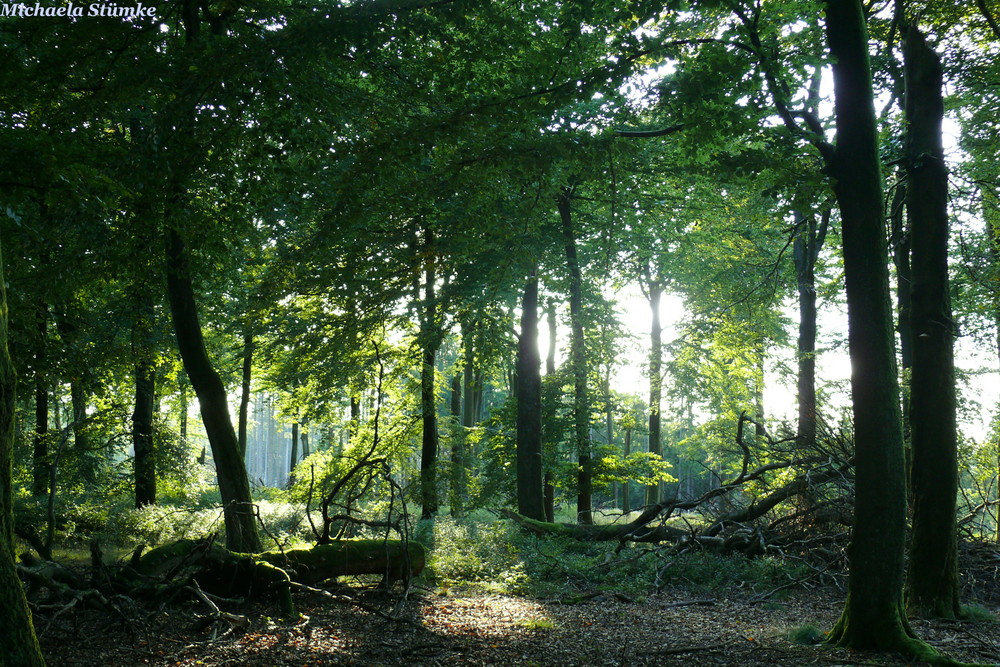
(873, 616)
(654, 293)
(578, 361)
(530, 501)
(809, 237)
(932, 583)
(238, 511)
(144, 466)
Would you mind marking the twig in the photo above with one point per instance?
(346, 599)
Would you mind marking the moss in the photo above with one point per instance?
(806, 634)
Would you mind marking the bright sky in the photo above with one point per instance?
(982, 392)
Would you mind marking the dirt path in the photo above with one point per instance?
(479, 629)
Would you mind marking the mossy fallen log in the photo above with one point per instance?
(222, 572)
(394, 559)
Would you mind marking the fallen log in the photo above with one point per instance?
(634, 531)
(222, 572)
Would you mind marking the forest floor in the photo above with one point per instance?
(465, 627)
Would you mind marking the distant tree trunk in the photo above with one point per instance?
(932, 583)
(305, 444)
(355, 420)
(529, 408)
(458, 478)
(40, 457)
(241, 527)
(626, 493)
(900, 237)
(430, 340)
(806, 247)
(144, 462)
(17, 635)
(548, 484)
(578, 362)
(873, 616)
(248, 349)
(654, 293)
(469, 416)
(78, 398)
(294, 456)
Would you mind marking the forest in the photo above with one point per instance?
(394, 332)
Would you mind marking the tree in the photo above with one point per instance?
(17, 635)
(240, 519)
(932, 584)
(873, 616)
(578, 361)
(529, 408)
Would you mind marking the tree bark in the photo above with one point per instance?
(654, 292)
(245, 376)
(578, 362)
(548, 483)
(458, 477)
(626, 492)
(294, 454)
(241, 529)
(144, 462)
(430, 340)
(808, 242)
(17, 634)
(932, 582)
(873, 616)
(530, 502)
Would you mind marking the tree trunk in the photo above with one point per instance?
(78, 398)
(17, 635)
(626, 492)
(808, 242)
(430, 340)
(932, 583)
(241, 529)
(294, 455)
(530, 501)
(40, 456)
(144, 463)
(548, 483)
(654, 292)
(578, 361)
(873, 616)
(469, 414)
(248, 349)
(900, 238)
(458, 478)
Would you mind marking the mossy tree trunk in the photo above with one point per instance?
(530, 502)
(873, 616)
(18, 644)
(932, 583)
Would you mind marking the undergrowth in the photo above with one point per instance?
(497, 556)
